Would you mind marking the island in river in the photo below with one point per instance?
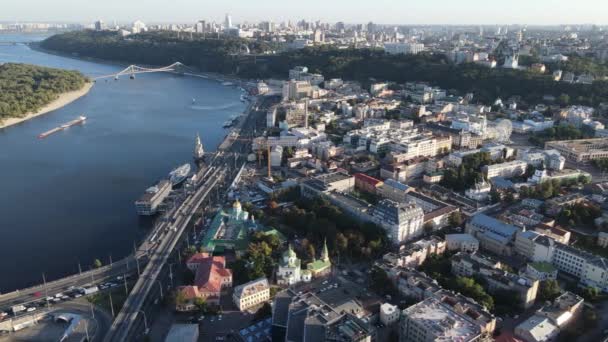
(27, 91)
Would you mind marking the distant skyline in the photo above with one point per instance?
(398, 12)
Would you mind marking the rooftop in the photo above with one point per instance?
(543, 267)
(493, 225)
(440, 320)
(252, 287)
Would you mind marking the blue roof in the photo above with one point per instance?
(530, 234)
(393, 183)
(496, 237)
(494, 225)
(501, 183)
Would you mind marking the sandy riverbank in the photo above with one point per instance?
(62, 100)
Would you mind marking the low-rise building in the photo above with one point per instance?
(251, 294)
(467, 265)
(336, 181)
(582, 150)
(394, 190)
(320, 267)
(493, 235)
(556, 233)
(211, 277)
(541, 271)
(289, 271)
(549, 320)
(506, 170)
(367, 183)
(462, 242)
(480, 191)
(432, 320)
(413, 255)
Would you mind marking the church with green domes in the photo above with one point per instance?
(290, 271)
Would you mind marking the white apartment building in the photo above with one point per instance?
(403, 48)
(506, 170)
(591, 269)
(403, 222)
(251, 294)
(550, 159)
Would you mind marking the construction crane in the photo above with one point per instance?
(262, 145)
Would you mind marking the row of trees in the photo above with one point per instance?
(560, 132)
(364, 65)
(26, 88)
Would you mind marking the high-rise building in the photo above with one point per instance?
(200, 26)
(138, 27)
(99, 25)
(227, 21)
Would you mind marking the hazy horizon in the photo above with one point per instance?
(388, 12)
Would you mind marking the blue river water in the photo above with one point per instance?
(68, 199)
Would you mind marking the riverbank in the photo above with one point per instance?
(63, 100)
(212, 76)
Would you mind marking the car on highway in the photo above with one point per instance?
(30, 309)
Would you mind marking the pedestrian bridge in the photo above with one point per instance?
(133, 70)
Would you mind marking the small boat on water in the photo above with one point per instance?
(228, 124)
(227, 84)
(193, 100)
(79, 120)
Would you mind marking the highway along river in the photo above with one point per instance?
(69, 198)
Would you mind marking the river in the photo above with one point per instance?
(68, 199)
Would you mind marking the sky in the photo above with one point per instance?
(402, 12)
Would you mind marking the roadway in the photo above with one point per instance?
(223, 166)
(27, 297)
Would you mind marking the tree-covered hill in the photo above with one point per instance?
(221, 55)
(26, 88)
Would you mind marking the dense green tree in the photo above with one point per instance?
(26, 88)
(548, 290)
(381, 283)
(455, 219)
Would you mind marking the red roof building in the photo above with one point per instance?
(366, 183)
(211, 277)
